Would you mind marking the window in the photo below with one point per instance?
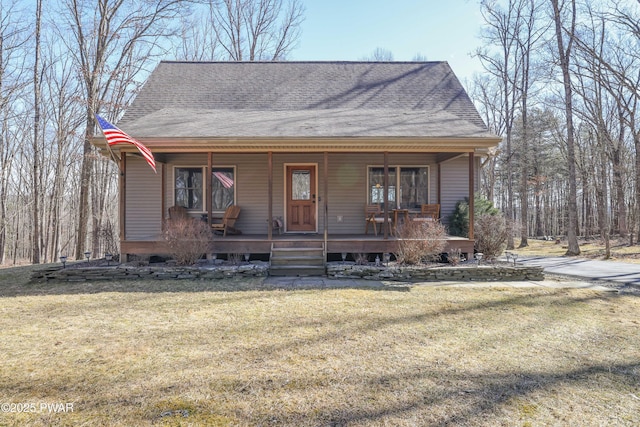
(223, 188)
(190, 185)
(376, 186)
(188, 188)
(300, 185)
(413, 187)
(412, 182)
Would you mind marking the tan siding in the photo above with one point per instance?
(143, 202)
(455, 178)
(347, 185)
(252, 190)
(348, 191)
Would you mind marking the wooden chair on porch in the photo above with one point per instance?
(374, 216)
(228, 222)
(428, 212)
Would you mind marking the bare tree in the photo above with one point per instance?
(197, 40)
(61, 93)
(618, 65)
(379, 54)
(488, 96)
(599, 113)
(625, 69)
(35, 241)
(529, 39)
(256, 30)
(106, 38)
(502, 31)
(565, 35)
(13, 39)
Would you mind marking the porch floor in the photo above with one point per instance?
(260, 244)
(336, 243)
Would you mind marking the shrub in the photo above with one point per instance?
(459, 219)
(420, 241)
(454, 256)
(188, 239)
(110, 240)
(361, 259)
(235, 259)
(490, 235)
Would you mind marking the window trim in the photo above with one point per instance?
(235, 186)
(204, 186)
(397, 168)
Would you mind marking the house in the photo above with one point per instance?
(305, 145)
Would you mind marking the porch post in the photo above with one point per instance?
(209, 190)
(471, 193)
(123, 195)
(386, 195)
(325, 197)
(439, 187)
(270, 195)
(163, 199)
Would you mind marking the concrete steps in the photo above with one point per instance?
(297, 259)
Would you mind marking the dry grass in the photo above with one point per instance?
(193, 353)
(594, 249)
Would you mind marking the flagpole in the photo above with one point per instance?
(115, 158)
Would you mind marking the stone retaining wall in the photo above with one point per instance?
(484, 273)
(84, 274)
(337, 270)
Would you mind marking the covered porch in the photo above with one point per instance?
(330, 211)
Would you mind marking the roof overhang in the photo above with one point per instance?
(478, 145)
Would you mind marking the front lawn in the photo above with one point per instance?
(193, 353)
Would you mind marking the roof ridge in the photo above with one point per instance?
(166, 61)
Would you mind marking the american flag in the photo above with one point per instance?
(116, 136)
(224, 179)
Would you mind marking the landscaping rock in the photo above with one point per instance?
(336, 270)
(82, 274)
(484, 273)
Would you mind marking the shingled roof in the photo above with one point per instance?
(303, 99)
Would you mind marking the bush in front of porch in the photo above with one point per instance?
(420, 241)
(491, 235)
(188, 239)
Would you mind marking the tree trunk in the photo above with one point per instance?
(620, 211)
(636, 140)
(3, 168)
(524, 181)
(85, 185)
(572, 205)
(601, 197)
(35, 241)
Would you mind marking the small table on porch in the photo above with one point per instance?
(400, 213)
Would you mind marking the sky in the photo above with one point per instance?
(350, 30)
